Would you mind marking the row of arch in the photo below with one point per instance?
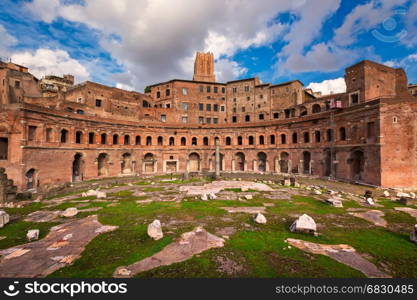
(228, 141)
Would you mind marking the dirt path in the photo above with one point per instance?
(59, 248)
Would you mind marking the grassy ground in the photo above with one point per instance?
(255, 250)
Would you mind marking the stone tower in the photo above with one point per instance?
(204, 67)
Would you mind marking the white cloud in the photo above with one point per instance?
(6, 41)
(51, 62)
(331, 86)
(228, 70)
(46, 10)
(156, 40)
(124, 86)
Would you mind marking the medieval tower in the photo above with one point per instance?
(204, 67)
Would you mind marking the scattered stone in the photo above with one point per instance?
(204, 197)
(90, 193)
(370, 201)
(2, 237)
(212, 196)
(248, 197)
(344, 254)
(413, 235)
(228, 266)
(226, 231)
(368, 194)
(297, 185)
(403, 200)
(155, 230)
(413, 195)
(411, 211)
(70, 212)
(4, 218)
(37, 261)
(101, 195)
(217, 186)
(373, 216)
(317, 192)
(139, 193)
(42, 216)
(334, 202)
(403, 195)
(33, 234)
(386, 194)
(249, 209)
(260, 218)
(304, 224)
(188, 245)
(244, 189)
(269, 204)
(286, 182)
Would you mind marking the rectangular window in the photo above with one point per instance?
(215, 89)
(215, 107)
(261, 117)
(243, 109)
(247, 88)
(17, 84)
(48, 134)
(222, 108)
(261, 96)
(234, 119)
(4, 148)
(200, 120)
(234, 90)
(208, 120)
(223, 90)
(215, 120)
(208, 89)
(200, 106)
(167, 105)
(167, 92)
(98, 103)
(276, 115)
(208, 107)
(184, 119)
(32, 133)
(158, 94)
(185, 91)
(163, 118)
(234, 109)
(184, 106)
(201, 88)
(354, 98)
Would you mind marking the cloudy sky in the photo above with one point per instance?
(133, 43)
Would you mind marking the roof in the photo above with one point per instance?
(287, 82)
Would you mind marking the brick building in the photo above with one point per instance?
(89, 130)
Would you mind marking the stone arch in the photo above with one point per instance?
(284, 162)
(77, 167)
(307, 162)
(64, 136)
(78, 137)
(149, 163)
(126, 139)
(160, 140)
(316, 108)
(183, 141)
(172, 141)
(194, 162)
(30, 179)
(303, 111)
(262, 161)
(228, 141)
(126, 164)
(240, 161)
(357, 162)
(103, 164)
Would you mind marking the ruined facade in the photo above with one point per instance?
(366, 135)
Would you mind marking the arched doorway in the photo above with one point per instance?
(306, 162)
(261, 162)
(76, 168)
(194, 162)
(357, 164)
(149, 163)
(240, 161)
(30, 179)
(126, 164)
(103, 164)
(283, 162)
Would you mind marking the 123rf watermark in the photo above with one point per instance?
(64, 288)
(365, 289)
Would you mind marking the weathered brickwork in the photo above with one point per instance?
(367, 134)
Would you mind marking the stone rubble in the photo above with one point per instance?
(155, 230)
(413, 234)
(69, 212)
(304, 224)
(32, 235)
(4, 218)
(260, 218)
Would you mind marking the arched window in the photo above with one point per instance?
(183, 141)
(171, 141)
(91, 138)
(303, 111)
(272, 139)
(148, 141)
(250, 140)
(160, 141)
(126, 139)
(239, 140)
(329, 135)
(103, 138)
(294, 138)
(228, 141)
(306, 137)
(283, 139)
(316, 108)
(194, 141)
(78, 137)
(137, 140)
(318, 136)
(64, 136)
(205, 141)
(261, 140)
(115, 139)
(342, 133)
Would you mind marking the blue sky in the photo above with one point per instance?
(133, 43)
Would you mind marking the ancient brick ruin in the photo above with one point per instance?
(53, 132)
(7, 189)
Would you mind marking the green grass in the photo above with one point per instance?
(153, 189)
